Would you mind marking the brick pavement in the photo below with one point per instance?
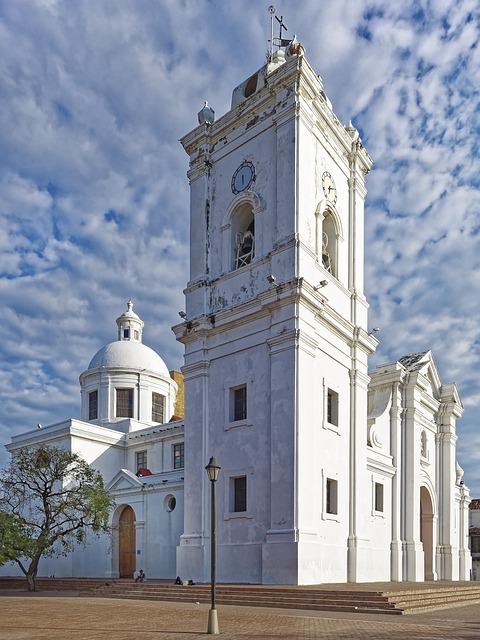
(45, 616)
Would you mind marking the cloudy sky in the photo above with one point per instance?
(94, 95)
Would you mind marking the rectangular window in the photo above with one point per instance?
(332, 407)
(93, 405)
(158, 407)
(178, 456)
(124, 403)
(331, 496)
(378, 496)
(239, 403)
(126, 334)
(475, 544)
(141, 460)
(239, 494)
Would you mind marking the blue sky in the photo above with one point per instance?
(94, 197)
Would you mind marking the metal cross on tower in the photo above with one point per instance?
(278, 42)
(282, 26)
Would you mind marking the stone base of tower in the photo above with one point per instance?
(280, 563)
(235, 563)
(240, 563)
(302, 563)
(191, 561)
(367, 563)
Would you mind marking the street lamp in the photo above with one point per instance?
(213, 471)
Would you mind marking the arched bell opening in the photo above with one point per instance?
(243, 236)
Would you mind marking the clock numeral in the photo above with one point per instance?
(243, 177)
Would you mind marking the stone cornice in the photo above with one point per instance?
(68, 428)
(292, 89)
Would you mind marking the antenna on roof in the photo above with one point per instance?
(271, 11)
(277, 42)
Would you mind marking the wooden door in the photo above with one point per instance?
(127, 543)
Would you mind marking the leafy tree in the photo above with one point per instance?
(49, 499)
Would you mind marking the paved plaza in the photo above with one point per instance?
(50, 616)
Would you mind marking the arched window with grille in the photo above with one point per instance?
(328, 234)
(243, 236)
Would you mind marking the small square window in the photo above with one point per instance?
(178, 456)
(141, 460)
(93, 405)
(378, 496)
(332, 407)
(238, 494)
(331, 496)
(239, 403)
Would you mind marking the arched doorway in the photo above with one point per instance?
(126, 543)
(426, 533)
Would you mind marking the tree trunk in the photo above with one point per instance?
(31, 582)
(31, 575)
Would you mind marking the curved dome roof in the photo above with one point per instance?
(129, 355)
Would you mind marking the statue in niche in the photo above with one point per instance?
(423, 444)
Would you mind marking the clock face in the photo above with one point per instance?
(243, 177)
(329, 188)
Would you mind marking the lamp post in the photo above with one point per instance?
(213, 471)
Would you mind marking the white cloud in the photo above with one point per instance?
(94, 194)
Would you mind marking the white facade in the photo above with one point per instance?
(276, 345)
(328, 474)
(148, 517)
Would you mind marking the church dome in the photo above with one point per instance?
(127, 385)
(128, 352)
(129, 355)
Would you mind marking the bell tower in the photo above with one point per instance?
(275, 333)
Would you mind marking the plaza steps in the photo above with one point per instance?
(359, 600)
(385, 598)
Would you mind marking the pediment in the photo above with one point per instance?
(124, 480)
(424, 364)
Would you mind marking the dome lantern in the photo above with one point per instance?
(130, 326)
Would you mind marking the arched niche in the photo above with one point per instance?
(239, 231)
(328, 234)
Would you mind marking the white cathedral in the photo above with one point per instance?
(329, 473)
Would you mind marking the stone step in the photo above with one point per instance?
(251, 598)
(352, 608)
(382, 599)
(416, 605)
(281, 598)
(406, 601)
